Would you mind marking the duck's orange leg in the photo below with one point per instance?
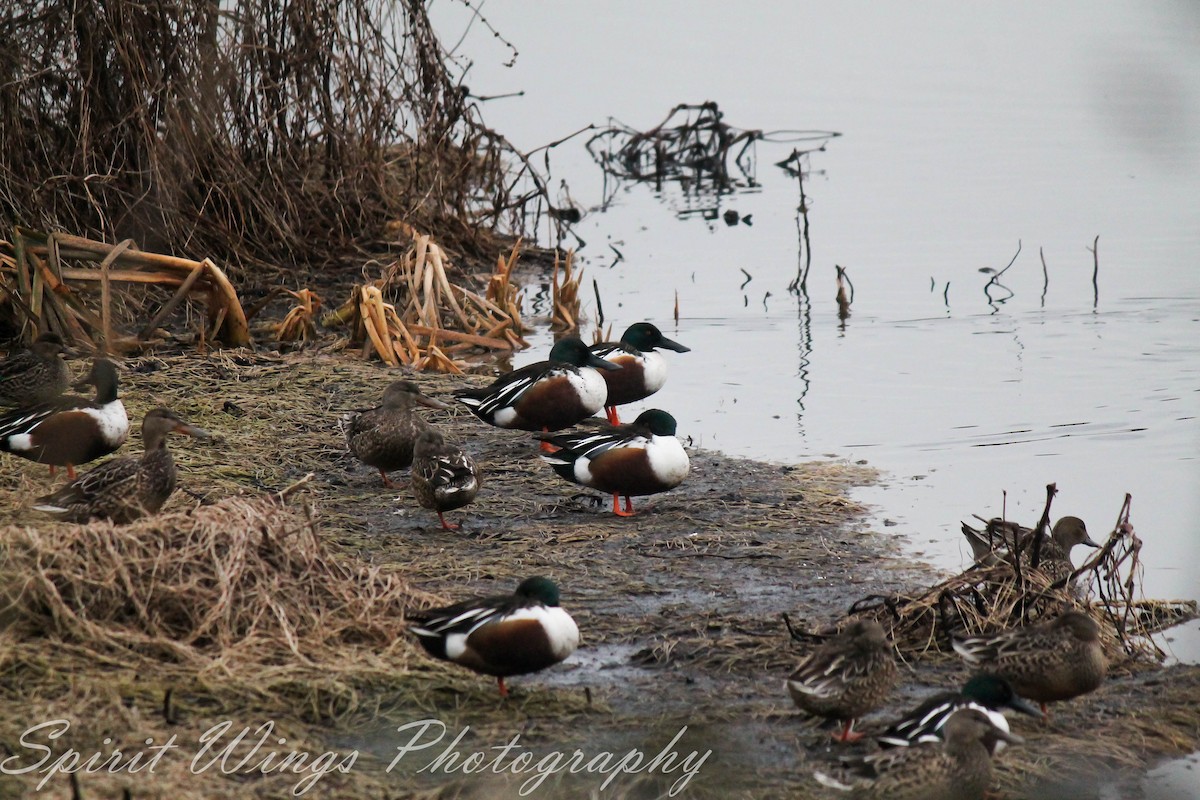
(614, 418)
(628, 512)
(546, 446)
(446, 525)
(503, 688)
(71, 471)
(848, 733)
(389, 483)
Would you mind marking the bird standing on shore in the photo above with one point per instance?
(501, 636)
(847, 676)
(643, 369)
(69, 430)
(383, 437)
(545, 396)
(125, 489)
(1055, 660)
(640, 458)
(444, 477)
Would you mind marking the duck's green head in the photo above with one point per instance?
(539, 588)
(645, 337)
(104, 377)
(994, 692)
(571, 350)
(657, 421)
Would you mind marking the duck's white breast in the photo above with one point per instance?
(668, 460)
(590, 385)
(112, 421)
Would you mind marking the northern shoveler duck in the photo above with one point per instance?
(125, 489)
(996, 542)
(643, 369)
(846, 676)
(501, 636)
(443, 476)
(640, 458)
(959, 769)
(1049, 661)
(383, 437)
(35, 375)
(69, 430)
(990, 694)
(546, 396)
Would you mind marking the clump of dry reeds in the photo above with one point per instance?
(433, 319)
(242, 590)
(258, 132)
(300, 324)
(988, 598)
(51, 283)
(564, 293)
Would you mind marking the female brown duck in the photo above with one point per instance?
(125, 489)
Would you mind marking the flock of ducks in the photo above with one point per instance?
(65, 430)
(499, 636)
(943, 748)
(574, 383)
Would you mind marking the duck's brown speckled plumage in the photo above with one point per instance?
(443, 476)
(29, 377)
(383, 437)
(1055, 660)
(995, 543)
(959, 769)
(847, 676)
(124, 489)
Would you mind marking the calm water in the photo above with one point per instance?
(965, 130)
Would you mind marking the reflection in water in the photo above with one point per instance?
(994, 282)
(692, 149)
(804, 344)
(844, 298)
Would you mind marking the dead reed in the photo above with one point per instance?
(431, 319)
(269, 135)
(1014, 592)
(51, 282)
(564, 293)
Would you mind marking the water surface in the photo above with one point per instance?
(967, 131)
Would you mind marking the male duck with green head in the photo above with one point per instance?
(503, 635)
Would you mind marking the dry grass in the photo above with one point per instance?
(265, 134)
(243, 590)
(433, 321)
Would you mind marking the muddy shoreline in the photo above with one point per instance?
(679, 606)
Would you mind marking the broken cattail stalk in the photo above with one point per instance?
(565, 295)
(120, 263)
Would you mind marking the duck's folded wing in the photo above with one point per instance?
(112, 477)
